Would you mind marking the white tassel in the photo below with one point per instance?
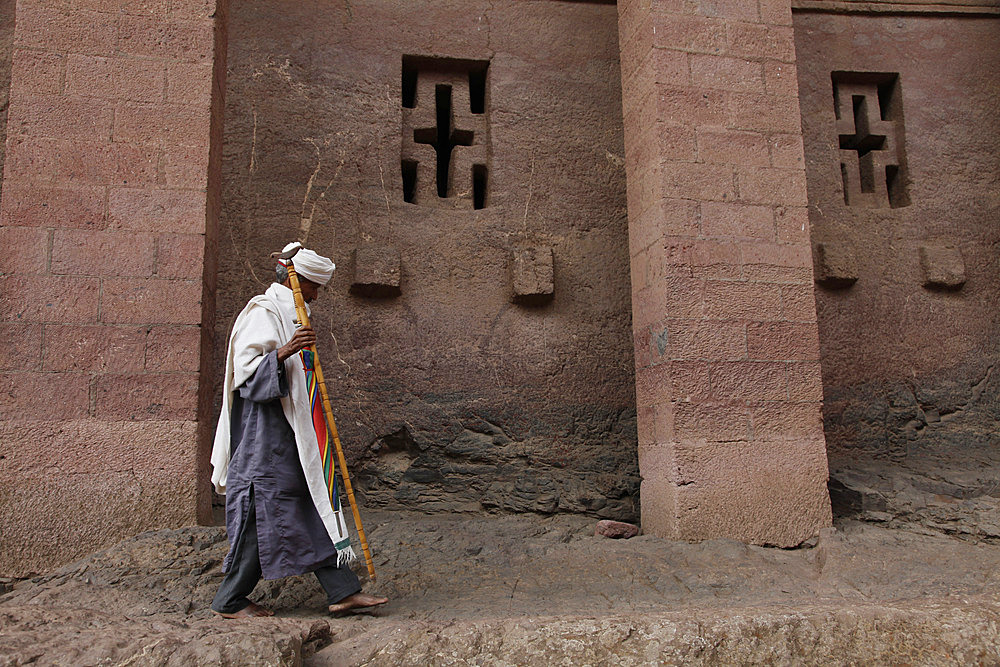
(346, 557)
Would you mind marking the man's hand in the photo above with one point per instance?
(302, 339)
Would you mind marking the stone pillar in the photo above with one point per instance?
(728, 386)
(109, 215)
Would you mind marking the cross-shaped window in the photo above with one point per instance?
(443, 137)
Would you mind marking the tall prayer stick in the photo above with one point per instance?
(300, 311)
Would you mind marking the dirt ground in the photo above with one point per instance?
(527, 589)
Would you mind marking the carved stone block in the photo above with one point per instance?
(836, 265)
(942, 266)
(532, 275)
(376, 271)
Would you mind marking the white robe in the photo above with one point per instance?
(267, 323)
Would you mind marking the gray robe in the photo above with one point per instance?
(292, 537)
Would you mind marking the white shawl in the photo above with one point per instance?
(266, 324)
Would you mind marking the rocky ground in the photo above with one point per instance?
(527, 589)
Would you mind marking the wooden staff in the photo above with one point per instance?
(300, 311)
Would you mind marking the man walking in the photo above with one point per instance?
(279, 517)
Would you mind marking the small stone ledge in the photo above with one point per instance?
(376, 271)
(836, 265)
(532, 275)
(942, 267)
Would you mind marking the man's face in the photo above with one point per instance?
(310, 290)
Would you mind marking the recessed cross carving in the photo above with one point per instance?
(869, 135)
(444, 156)
(444, 137)
(863, 141)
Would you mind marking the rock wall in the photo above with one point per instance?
(107, 219)
(6, 50)
(477, 345)
(904, 206)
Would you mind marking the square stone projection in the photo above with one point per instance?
(942, 266)
(376, 271)
(532, 275)
(836, 265)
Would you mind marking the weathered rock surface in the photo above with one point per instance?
(494, 590)
(449, 396)
(616, 529)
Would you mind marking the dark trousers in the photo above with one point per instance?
(244, 572)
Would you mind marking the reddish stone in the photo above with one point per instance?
(194, 9)
(754, 40)
(792, 223)
(732, 147)
(189, 83)
(744, 301)
(151, 301)
(788, 420)
(690, 381)
(173, 348)
(97, 349)
(532, 279)
(48, 299)
(691, 33)
(798, 303)
(60, 117)
(44, 396)
(767, 273)
(766, 113)
(780, 80)
(737, 221)
(29, 205)
(651, 145)
(175, 38)
(713, 422)
(180, 255)
(115, 78)
(699, 181)
(147, 396)
(786, 151)
(652, 385)
(805, 381)
(789, 341)
(36, 73)
(776, 12)
(174, 125)
(107, 253)
(777, 254)
(683, 297)
(185, 166)
(26, 250)
(732, 10)
(376, 271)
(615, 529)
(942, 266)
(177, 211)
(750, 381)
(736, 74)
(836, 265)
(82, 163)
(772, 186)
(52, 29)
(22, 346)
(704, 340)
(138, 7)
(693, 106)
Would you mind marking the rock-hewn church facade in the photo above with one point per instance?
(659, 260)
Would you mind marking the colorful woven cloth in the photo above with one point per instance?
(326, 453)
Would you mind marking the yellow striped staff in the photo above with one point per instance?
(314, 377)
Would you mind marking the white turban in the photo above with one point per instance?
(309, 264)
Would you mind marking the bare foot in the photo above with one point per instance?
(356, 601)
(252, 610)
